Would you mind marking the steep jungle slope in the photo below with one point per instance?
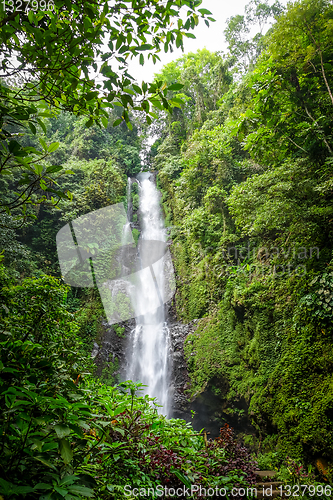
(246, 178)
(97, 163)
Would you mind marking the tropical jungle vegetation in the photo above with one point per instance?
(243, 152)
(245, 168)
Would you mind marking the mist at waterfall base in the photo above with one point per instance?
(149, 344)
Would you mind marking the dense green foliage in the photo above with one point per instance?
(50, 62)
(247, 194)
(64, 431)
(244, 161)
(64, 434)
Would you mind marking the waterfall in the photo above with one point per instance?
(149, 342)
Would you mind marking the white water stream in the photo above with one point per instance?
(149, 342)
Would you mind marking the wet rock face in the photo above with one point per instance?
(180, 380)
(211, 410)
(113, 348)
(200, 411)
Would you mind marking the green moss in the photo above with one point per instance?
(88, 313)
(119, 331)
(107, 377)
(136, 235)
(135, 202)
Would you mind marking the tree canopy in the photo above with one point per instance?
(51, 55)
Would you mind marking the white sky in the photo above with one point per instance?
(211, 38)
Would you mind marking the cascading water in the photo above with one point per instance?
(149, 342)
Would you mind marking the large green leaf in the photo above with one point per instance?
(45, 461)
(175, 86)
(184, 479)
(65, 451)
(81, 490)
(62, 491)
(68, 480)
(53, 147)
(62, 430)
